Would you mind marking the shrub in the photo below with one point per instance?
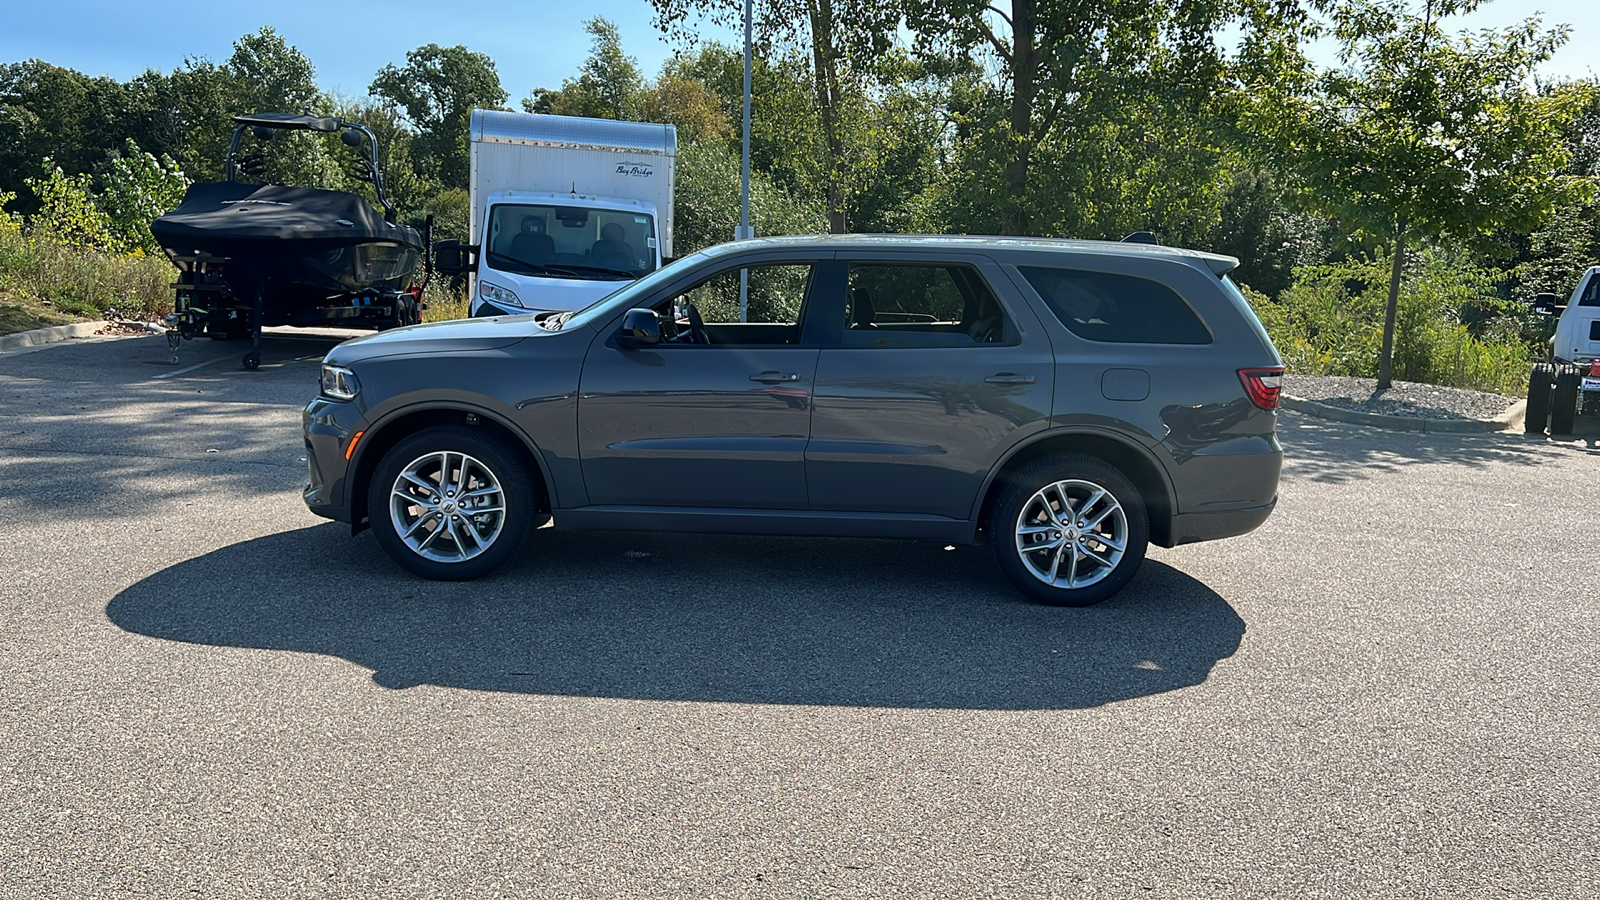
(1451, 327)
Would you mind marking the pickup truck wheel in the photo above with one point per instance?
(1539, 384)
(451, 503)
(1069, 530)
(1564, 406)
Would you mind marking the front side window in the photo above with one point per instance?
(1117, 309)
(893, 305)
(775, 295)
(569, 241)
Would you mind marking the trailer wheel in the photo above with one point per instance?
(252, 360)
(1564, 407)
(1539, 384)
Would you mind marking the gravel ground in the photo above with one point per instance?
(1403, 398)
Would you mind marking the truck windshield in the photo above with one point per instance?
(570, 241)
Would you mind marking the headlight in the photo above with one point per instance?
(497, 294)
(339, 383)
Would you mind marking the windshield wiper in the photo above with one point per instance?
(623, 272)
(522, 267)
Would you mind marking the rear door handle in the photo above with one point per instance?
(771, 377)
(1009, 378)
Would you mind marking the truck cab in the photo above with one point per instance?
(546, 251)
(1568, 386)
(565, 210)
(1577, 337)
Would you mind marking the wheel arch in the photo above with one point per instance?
(396, 426)
(1140, 466)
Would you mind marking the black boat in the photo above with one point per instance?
(251, 255)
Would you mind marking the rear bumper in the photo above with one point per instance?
(1190, 528)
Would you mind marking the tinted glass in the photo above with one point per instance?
(776, 293)
(1119, 309)
(920, 306)
(1591, 293)
(577, 241)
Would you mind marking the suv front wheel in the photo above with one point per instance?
(1069, 530)
(450, 503)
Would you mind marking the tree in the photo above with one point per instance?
(608, 85)
(1424, 135)
(438, 88)
(136, 188)
(842, 39)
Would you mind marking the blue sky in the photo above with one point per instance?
(534, 43)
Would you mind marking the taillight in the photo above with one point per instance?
(1594, 368)
(1263, 385)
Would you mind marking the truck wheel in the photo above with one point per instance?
(1539, 384)
(1564, 406)
(451, 503)
(1069, 530)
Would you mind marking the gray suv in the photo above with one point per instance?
(1067, 401)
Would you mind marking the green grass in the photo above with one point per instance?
(20, 313)
(39, 274)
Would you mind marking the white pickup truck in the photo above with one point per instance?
(1568, 385)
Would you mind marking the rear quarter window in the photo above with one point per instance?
(1117, 309)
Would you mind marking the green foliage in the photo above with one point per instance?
(68, 213)
(1452, 327)
(136, 188)
(438, 88)
(707, 201)
(608, 85)
(78, 281)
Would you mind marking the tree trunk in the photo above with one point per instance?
(1024, 62)
(1386, 355)
(825, 62)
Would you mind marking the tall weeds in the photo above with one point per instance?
(83, 282)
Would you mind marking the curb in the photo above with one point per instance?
(1509, 419)
(55, 333)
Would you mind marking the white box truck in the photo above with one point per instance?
(564, 209)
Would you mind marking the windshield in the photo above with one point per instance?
(562, 241)
(625, 298)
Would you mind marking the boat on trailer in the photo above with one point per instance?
(251, 255)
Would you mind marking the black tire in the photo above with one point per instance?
(1077, 477)
(1539, 384)
(252, 360)
(487, 461)
(1564, 405)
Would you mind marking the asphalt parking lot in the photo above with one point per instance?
(1392, 689)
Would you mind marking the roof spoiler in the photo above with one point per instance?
(1216, 262)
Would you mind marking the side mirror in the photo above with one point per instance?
(454, 258)
(640, 328)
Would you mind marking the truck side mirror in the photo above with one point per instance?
(1547, 304)
(640, 328)
(454, 257)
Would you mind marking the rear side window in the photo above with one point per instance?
(1117, 309)
(911, 305)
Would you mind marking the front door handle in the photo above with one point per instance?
(771, 377)
(1009, 378)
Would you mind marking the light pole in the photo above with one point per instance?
(744, 230)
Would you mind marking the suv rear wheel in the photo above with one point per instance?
(1069, 530)
(450, 503)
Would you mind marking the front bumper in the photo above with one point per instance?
(327, 437)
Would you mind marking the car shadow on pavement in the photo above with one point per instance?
(699, 618)
(1319, 450)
